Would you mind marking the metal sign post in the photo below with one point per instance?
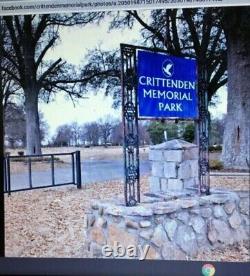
(160, 86)
(203, 133)
(130, 126)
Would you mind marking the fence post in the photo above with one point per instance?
(5, 175)
(73, 167)
(8, 174)
(78, 170)
(30, 173)
(52, 169)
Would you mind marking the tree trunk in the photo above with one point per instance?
(33, 136)
(236, 138)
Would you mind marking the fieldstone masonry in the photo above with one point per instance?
(174, 166)
(172, 219)
(175, 227)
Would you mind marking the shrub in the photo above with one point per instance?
(215, 148)
(215, 164)
(188, 134)
(156, 132)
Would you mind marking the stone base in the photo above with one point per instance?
(175, 166)
(174, 225)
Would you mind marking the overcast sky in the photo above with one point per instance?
(74, 44)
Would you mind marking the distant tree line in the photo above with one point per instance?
(106, 131)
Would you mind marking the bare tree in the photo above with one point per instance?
(26, 42)
(14, 122)
(117, 134)
(106, 126)
(63, 136)
(217, 130)
(195, 33)
(92, 133)
(76, 133)
(144, 138)
(14, 125)
(9, 88)
(11, 91)
(44, 127)
(116, 137)
(103, 71)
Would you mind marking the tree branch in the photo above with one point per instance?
(215, 82)
(215, 41)
(40, 28)
(110, 73)
(8, 56)
(188, 17)
(206, 29)
(49, 70)
(12, 74)
(16, 46)
(18, 26)
(44, 51)
(176, 41)
(146, 26)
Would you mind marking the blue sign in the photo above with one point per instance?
(166, 86)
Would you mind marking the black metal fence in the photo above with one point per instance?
(75, 163)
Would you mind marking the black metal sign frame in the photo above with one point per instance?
(130, 125)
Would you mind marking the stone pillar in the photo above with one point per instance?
(174, 166)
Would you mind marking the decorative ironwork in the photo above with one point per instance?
(203, 140)
(129, 111)
(130, 125)
(131, 140)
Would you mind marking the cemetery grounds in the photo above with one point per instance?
(50, 222)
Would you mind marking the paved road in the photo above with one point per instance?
(92, 171)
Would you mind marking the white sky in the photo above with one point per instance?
(75, 42)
